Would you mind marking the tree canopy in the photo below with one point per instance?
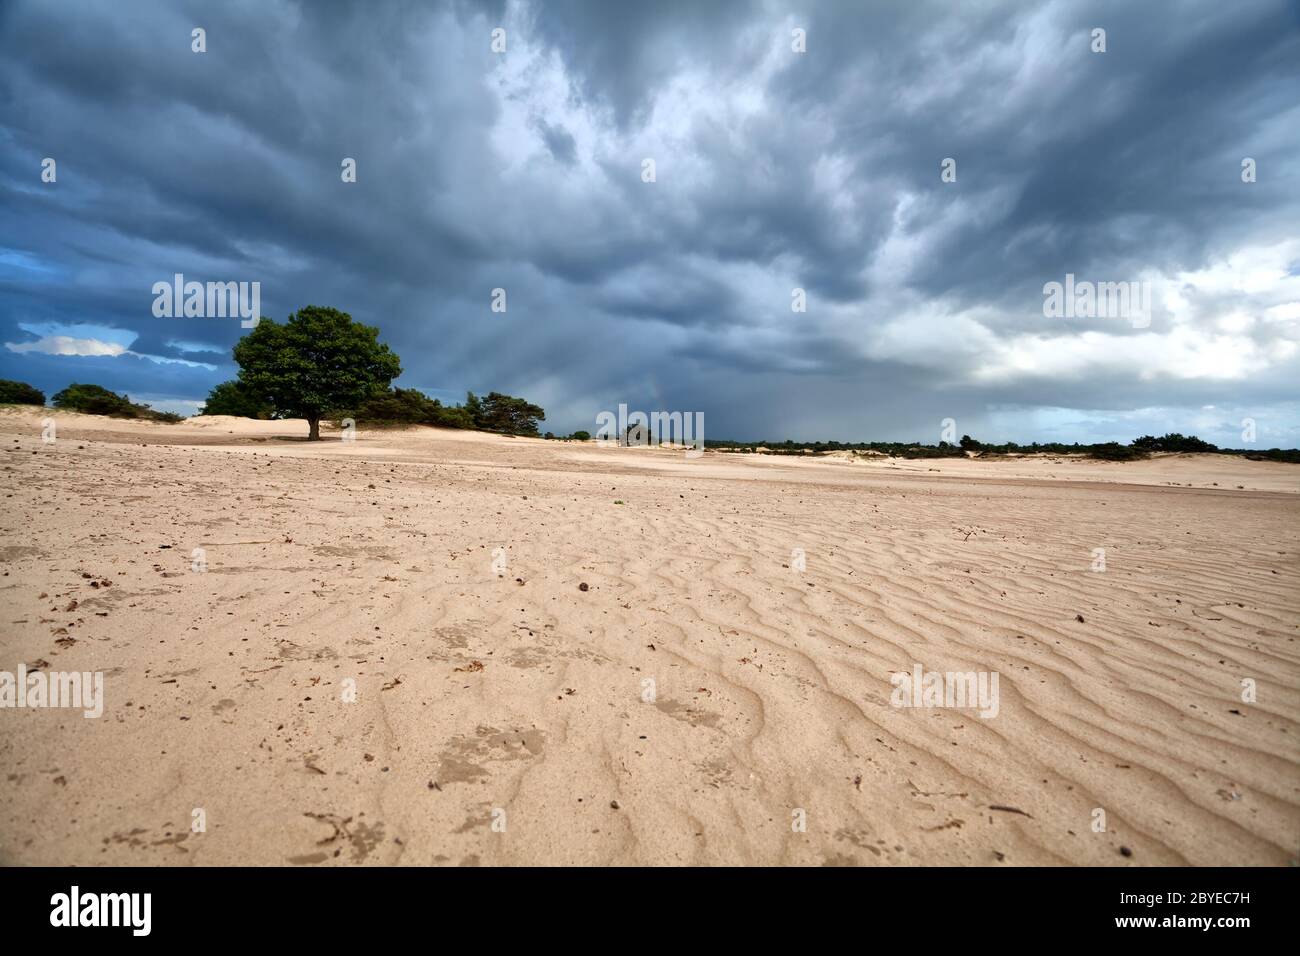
(504, 413)
(318, 361)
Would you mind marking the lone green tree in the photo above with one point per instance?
(316, 362)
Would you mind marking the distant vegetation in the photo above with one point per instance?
(96, 400)
(408, 406)
(20, 393)
(494, 412)
(1173, 442)
(234, 398)
(576, 436)
(1138, 449)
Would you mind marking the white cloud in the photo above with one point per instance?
(1179, 354)
(70, 345)
(66, 345)
(1234, 318)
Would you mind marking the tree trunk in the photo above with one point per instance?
(315, 429)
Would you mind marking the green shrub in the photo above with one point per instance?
(20, 393)
(97, 400)
(234, 398)
(1173, 442)
(408, 406)
(1114, 451)
(451, 416)
(395, 406)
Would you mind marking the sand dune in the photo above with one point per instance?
(501, 713)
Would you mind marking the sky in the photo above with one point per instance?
(917, 173)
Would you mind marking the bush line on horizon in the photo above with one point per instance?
(1137, 449)
(505, 414)
(85, 398)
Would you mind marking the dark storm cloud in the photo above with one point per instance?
(775, 170)
(622, 54)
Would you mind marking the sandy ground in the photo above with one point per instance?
(694, 704)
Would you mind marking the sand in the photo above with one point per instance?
(504, 715)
